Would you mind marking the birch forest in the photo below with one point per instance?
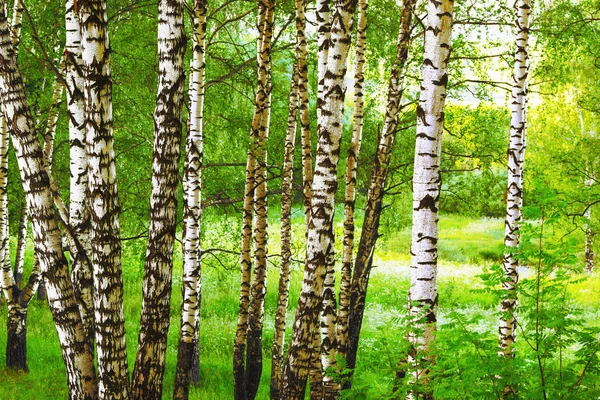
(294, 199)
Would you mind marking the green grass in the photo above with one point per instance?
(466, 244)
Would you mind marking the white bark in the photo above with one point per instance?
(423, 294)
(514, 191)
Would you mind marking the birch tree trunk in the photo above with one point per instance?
(320, 243)
(156, 303)
(423, 293)
(350, 192)
(77, 354)
(286, 202)
(258, 290)
(79, 215)
(190, 306)
(248, 339)
(374, 203)
(514, 192)
(104, 202)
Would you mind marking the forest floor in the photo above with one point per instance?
(467, 246)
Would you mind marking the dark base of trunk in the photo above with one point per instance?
(355, 319)
(183, 374)
(16, 341)
(253, 364)
(239, 372)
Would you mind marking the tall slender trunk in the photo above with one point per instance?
(191, 282)
(286, 203)
(589, 236)
(378, 177)
(79, 214)
(259, 282)
(316, 372)
(104, 202)
(248, 339)
(423, 294)
(350, 193)
(77, 354)
(156, 303)
(316, 368)
(514, 191)
(320, 243)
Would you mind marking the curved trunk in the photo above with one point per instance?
(77, 354)
(286, 207)
(514, 191)
(350, 193)
(320, 241)
(156, 303)
(423, 293)
(374, 203)
(104, 202)
(191, 282)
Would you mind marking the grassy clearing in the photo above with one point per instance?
(466, 244)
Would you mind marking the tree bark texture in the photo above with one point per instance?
(286, 204)
(77, 354)
(259, 281)
(156, 302)
(248, 339)
(320, 243)
(350, 192)
(79, 215)
(423, 293)
(191, 282)
(514, 192)
(113, 377)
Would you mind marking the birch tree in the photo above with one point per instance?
(191, 282)
(423, 293)
(286, 202)
(374, 204)
(514, 191)
(79, 215)
(319, 242)
(77, 353)
(104, 202)
(350, 190)
(248, 340)
(156, 303)
(17, 298)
